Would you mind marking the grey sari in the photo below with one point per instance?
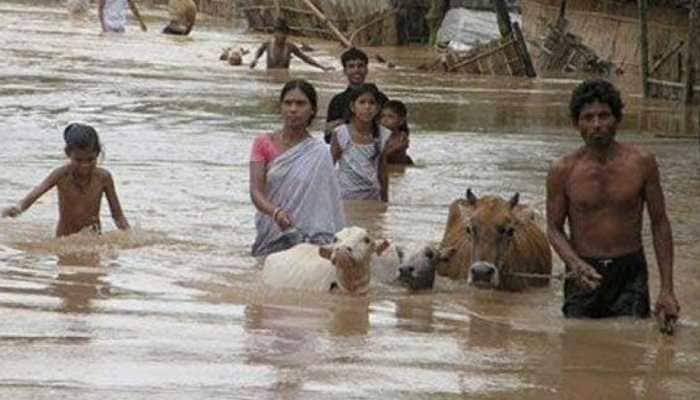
(302, 182)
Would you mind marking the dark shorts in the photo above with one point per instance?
(624, 289)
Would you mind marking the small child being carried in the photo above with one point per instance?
(393, 118)
(80, 185)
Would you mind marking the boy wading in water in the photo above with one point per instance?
(80, 186)
(280, 51)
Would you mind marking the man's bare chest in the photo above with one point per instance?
(594, 187)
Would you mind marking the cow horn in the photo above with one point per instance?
(514, 200)
(471, 199)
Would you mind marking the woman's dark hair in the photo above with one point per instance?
(308, 90)
(595, 90)
(399, 108)
(81, 136)
(367, 88)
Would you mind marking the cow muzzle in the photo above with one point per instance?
(483, 274)
(416, 279)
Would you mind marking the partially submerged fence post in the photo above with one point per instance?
(503, 17)
(690, 72)
(562, 9)
(644, 46)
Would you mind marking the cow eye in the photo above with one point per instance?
(335, 239)
(469, 230)
(429, 254)
(366, 240)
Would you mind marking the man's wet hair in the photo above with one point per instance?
(353, 53)
(308, 90)
(595, 90)
(81, 136)
(281, 26)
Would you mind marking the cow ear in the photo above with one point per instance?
(380, 246)
(514, 200)
(325, 252)
(447, 252)
(471, 199)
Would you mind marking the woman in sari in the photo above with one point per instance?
(292, 181)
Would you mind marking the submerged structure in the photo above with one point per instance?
(613, 31)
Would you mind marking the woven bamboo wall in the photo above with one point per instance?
(611, 28)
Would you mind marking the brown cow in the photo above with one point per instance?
(494, 241)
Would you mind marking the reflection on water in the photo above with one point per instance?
(174, 308)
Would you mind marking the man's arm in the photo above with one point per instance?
(557, 212)
(135, 10)
(295, 50)
(262, 49)
(662, 238)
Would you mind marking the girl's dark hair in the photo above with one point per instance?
(399, 108)
(308, 90)
(81, 136)
(358, 91)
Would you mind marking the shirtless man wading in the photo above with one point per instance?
(601, 189)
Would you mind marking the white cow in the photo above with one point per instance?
(343, 265)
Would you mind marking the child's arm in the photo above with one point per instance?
(295, 50)
(258, 54)
(383, 178)
(49, 182)
(114, 206)
(135, 10)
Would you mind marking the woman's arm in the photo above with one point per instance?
(336, 150)
(115, 207)
(49, 182)
(259, 198)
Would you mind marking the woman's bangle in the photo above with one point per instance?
(275, 213)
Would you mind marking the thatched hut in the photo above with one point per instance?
(611, 29)
(364, 22)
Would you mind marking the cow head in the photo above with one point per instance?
(418, 271)
(491, 228)
(350, 253)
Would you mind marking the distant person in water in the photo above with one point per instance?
(182, 16)
(393, 118)
(280, 51)
(112, 14)
(80, 184)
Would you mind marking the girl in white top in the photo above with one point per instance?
(112, 14)
(358, 148)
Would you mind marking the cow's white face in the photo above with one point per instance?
(353, 242)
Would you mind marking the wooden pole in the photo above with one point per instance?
(278, 9)
(329, 24)
(503, 17)
(689, 56)
(562, 9)
(644, 46)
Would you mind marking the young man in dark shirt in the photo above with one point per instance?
(355, 63)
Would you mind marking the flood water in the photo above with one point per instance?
(174, 310)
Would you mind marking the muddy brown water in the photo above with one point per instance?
(174, 310)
